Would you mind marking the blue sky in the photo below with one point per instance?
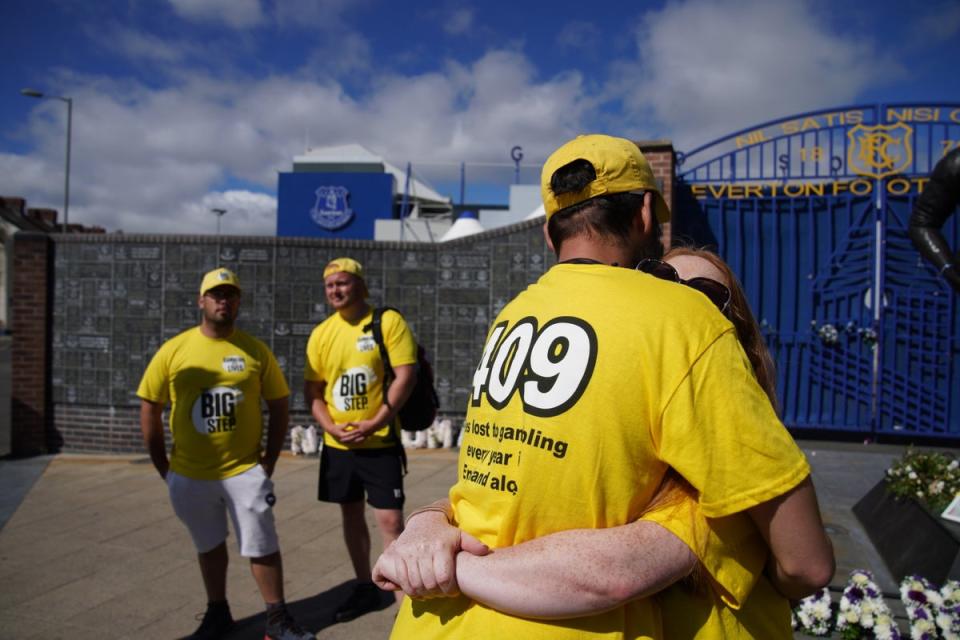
(185, 105)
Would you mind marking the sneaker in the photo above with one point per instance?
(216, 623)
(286, 628)
(364, 599)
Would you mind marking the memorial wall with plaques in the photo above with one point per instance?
(117, 298)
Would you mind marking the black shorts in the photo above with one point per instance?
(346, 474)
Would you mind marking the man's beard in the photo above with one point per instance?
(224, 322)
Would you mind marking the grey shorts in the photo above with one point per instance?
(202, 505)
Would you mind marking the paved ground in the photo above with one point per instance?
(89, 547)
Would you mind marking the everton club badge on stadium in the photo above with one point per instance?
(332, 209)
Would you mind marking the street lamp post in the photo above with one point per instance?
(33, 93)
(219, 213)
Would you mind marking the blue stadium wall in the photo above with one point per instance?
(342, 206)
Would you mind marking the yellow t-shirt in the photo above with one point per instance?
(592, 382)
(737, 601)
(765, 614)
(347, 358)
(214, 387)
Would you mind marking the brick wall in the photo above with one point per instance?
(31, 429)
(100, 429)
(662, 159)
(97, 429)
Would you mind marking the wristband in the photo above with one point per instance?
(430, 507)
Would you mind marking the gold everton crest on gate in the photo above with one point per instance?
(880, 150)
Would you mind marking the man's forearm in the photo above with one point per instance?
(313, 392)
(576, 573)
(158, 455)
(151, 428)
(276, 428)
(399, 391)
(320, 413)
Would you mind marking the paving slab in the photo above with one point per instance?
(90, 547)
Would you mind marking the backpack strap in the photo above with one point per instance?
(375, 326)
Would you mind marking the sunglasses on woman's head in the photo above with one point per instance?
(718, 292)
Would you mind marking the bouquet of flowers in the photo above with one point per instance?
(932, 478)
(948, 620)
(862, 612)
(933, 613)
(814, 615)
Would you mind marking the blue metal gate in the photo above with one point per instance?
(811, 212)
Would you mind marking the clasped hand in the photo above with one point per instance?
(422, 562)
(353, 432)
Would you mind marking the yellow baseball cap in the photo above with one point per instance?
(218, 277)
(345, 265)
(620, 167)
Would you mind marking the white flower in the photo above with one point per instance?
(859, 578)
(944, 620)
(813, 614)
(912, 475)
(950, 591)
(920, 627)
(883, 630)
(953, 465)
(821, 609)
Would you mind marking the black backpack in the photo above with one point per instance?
(421, 407)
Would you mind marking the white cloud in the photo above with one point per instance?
(458, 21)
(248, 213)
(707, 67)
(32, 175)
(237, 14)
(156, 160)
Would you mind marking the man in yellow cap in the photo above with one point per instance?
(356, 406)
(214, 376)
(595, 381)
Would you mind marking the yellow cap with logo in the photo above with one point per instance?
(217, 277)
(343, 265)
(620, 167)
